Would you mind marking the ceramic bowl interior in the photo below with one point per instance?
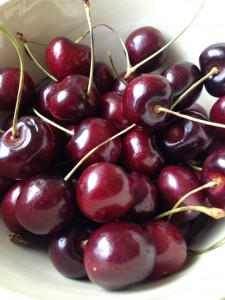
(27, 273)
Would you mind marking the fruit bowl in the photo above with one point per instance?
(27, 273)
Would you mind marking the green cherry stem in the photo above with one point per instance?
(213, 71)
(219, 243)
(2, 131)
(213, 212)
(21, 37)
(134, 68)
(21, 80)
(91, 75)
(114, 69)
(68, 176)
(70, 132)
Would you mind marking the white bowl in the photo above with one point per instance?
(29, 274)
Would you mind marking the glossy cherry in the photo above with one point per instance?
(175, 181)
(103, 77)
(181, 76)
(89, 134)
(31, 152)
(104, 192)
(64, 57)
(171, 248)
(141, 98)
(140, 153)
(46, 204)
(217, 114)
(214, 56)
(9, 84)
(142, 43)
(119, 254)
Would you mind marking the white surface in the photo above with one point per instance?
(28, 274)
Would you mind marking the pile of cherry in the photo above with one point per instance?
(101, 218)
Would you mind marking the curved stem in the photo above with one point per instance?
(205, 186)
(219, 243)
(95, 149)
(25, 43)
(21, 80)
(213, 212)
(2, 131)
(70, 132)
(192, 164)
(159, 109)
(91, 75)
(134, 68)
(114, 69)
(212, 72)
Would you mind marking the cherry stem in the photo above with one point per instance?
(194, 165)
(70, 132)
(95, 149)
(213, 212)
(212, 183)
(219, 243)
(134, 68)
(117, 35)
(114, 69)
(91, 75)
(159, 108)
(21, 80)
(16, 237)
(2, 131)
(21, 37)
(212, 72)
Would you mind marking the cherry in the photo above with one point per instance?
(5, 184)
(119, 86)
(145, 200)
(171, 248)
(142, 95)
(103, 77)
(66, 250)
(143, 42)
(118, 254)
(173, 183)
(90, 133)
(213, 170)
(111, 109)
(211, 57)
(181, 139)
(69, 102)
(9, 84)
(217, 114)
(8, 208)
(181, 76)
(64, 57)
(46, 204)
(31, 152)
(104, 192)
(140, 153)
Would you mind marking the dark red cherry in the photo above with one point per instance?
(5, 184)
(175, 181)
(9, 84)
(64, 57)
(217, 115)
(213, 169)
(142, 43)
(111, 109)
(141, 98)
(104, 192)
(66, 251)
(214, 56)
(46, 204)
(119, 86)
(171, 248)
(145, 200)
(140, 153)
(103, 77)
(181, 76)
(30, 153)
(69, 102)
(8, 208)
(89, 134)
(118, 255)
(181, 139)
